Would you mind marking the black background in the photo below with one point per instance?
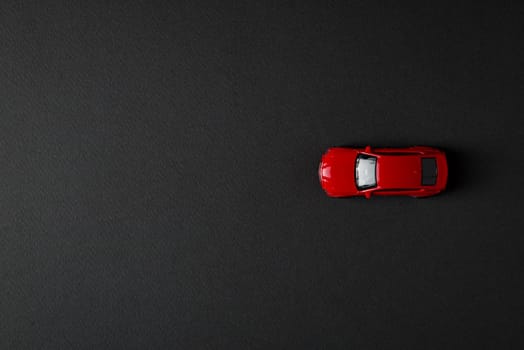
(159, 189)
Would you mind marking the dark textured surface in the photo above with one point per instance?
(159, 176)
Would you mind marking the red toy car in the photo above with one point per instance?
(413, 171)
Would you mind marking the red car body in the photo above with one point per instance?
(417, 171)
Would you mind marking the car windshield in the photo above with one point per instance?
(365, 171)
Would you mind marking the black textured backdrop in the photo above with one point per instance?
(158, 176)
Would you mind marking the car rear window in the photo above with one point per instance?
(429, 171)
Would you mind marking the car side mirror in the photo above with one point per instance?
(367, 195)
(367, 149)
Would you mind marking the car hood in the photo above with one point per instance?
(337, 172)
